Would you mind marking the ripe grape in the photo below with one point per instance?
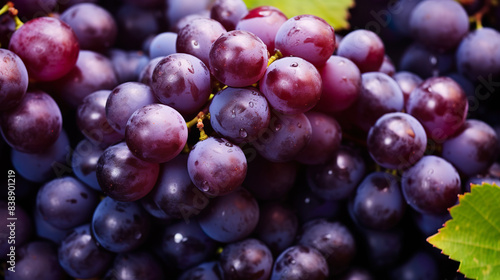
(13, 80)
(135, 265)
(300, 262)
(246, 259)
(407, 81)
(84, 163)
(228, 12)
(364, 48)
(162, 44)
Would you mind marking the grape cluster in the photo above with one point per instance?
(199, 139)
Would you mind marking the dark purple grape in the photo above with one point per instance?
(34, 125)
(333, 240)
(174, 194)
(387, 66)
(156, 133)
(310, 206)
(238, 58)
(46, 231)
(325, 139)
(378, 202)
(478, 55)
(284, 138)
(473, 148)
(92, 122)
(230, 217)
(124, 100)
(48, 47)
(277, 226)
(197, 36)
(146, 75)
(431, 186)
(216, 166)
(429, 224)
(308, 37)
(292, 85)
(93, 25)
(439, 25)
(204, 271)
(381, 248)
(66, 203)
(181, 81)
(84, 163)
(396, 141)
(239, 114)
(184, 245)
(135, 24)
(120, 226)
(36, 260)
(246, 259)
(228, 12)
(420, 265)
(268, 180)
(263, 21)
(42, 166)
(127, 64)
(300, 262)
(124, 177)
(13, 81)
(16, 228)
(81, 256)
(440, 104)
(135, 265)
(379, 95)
(407, 81)
(341, 84)
(163, 44)
(364, 48)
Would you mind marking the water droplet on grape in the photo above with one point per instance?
(229, 144)
(233, 113)
(205, 186)
(250, 104)
(243, 133)
(430, 172)
(277, 127)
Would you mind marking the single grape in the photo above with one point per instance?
(387, 66)
(292, 85)
(246, 259)
(185, 20)
(84, 163)
(163, 44)
(123, 176)
(135, 265)
(308, 37)
(46, 231)
(431, 186)
(412, 268)
(426, 63)
(176, 9)
(146, 75)
(310, 206)
(300, 262)
(216, 166)
(135, 24)
(407, 81)
(13, 80)
(238, 58)
(429, 224)
(228, 12)
(364, 48)
(128, 64)
(34, 125)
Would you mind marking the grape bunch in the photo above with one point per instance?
(200, 139)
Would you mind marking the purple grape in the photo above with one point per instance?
(184, 245)
(338, 178)
(325, 139)
(135, 265)
(364, 48)
(181, 81)
(176, 9)
(34, 125)
(66, 203)
(396, 141)
(94, 27)
(163, 44)
(146, 75)
(239, 114)
(407, 81)
(84, 163)
(439, 25)
(124, 100)
(387, 66)
(204, 271)
(332, 239)
(14, 80)
(228, 12)
(92, 122)
(426, 63)
(238, 58)
(263, 21)
(429, 224)
(197, 36)
(277, 226)
(42, 38)
(310, 206)
(120, 226)
(216, 166)
(156, 133)
(185, 20)
(135, 24)
(431, 186)
(420, 265)
(127, 64)
(378, 202)
(15, 236)
(284, 138)
(246, 259)
(473, 148)
(91, 73)
(45, 230)
(36, 260)
(81, 256)
(292, 85)
(440, 104)
(308, 37)
(300, 262)
(124, 177)
(231, 217)
(341, 84)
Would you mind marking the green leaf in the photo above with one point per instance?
(335, 12)
(472, 236)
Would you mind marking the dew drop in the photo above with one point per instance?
(229, 144)
(205, 186)
(277, 127)
(250, 104)
(233, 114)
(243, 133)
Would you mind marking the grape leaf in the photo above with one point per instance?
(335, 12)
(472, 236)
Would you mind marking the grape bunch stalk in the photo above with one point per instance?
(208, 139)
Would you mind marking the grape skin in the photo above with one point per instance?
(364, 48)
(247, 259)
(13, 80)
(300, 262)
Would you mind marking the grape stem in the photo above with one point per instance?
(478, 16)
(277, 55)
(9, 8)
